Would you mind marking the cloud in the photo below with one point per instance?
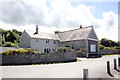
(22, 13)
(56, 15)
(108, 26)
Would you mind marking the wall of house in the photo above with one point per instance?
(93, 35)
(25, 40)
(41, 44)
(38, 58)
(75, 44)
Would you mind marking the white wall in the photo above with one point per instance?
(41, 44)
(25, 40)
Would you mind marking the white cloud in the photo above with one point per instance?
(56, 15)
(108, 26)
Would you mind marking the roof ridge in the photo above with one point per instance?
(39, 31)
(75, 29)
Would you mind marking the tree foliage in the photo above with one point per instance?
(108, 44)
(10, 44)
(9, 38)
(12, 36)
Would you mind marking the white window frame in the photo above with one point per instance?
(92, 47)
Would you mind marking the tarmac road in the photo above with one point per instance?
(95, 66)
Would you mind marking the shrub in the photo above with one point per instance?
(30, 50)
(64, 49)
(10, 44)
(101, 47)
(107, 48)
(81, 52)
(15, 52)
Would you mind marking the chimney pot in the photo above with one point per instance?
(80, 26)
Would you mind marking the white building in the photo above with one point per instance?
(83, 37)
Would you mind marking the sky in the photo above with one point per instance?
(62, 15)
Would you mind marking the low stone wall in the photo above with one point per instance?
(38, 58)
(109, 52)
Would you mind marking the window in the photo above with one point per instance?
(37, 40)
(92, 48)
(47, 50)
(54, 41)
(47, 41)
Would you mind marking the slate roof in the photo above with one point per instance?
(76, 34)
(42, 35)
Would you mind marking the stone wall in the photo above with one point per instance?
(109, 52)
(38, 58)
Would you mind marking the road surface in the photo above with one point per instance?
(96, 68)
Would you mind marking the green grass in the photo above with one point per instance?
(78, 60)
(110, 54)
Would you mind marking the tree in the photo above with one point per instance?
(9, 44)
(12, 36)
(101, 47)
(17, 32)
(105, 42)
(108, 43)
(0, 40)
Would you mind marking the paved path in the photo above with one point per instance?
(96, 67)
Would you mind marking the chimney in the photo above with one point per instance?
(36, 30)
(80, 26)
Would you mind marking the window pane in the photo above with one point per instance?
(93, 48)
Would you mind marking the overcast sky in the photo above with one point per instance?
(61, 15)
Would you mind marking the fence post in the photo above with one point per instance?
(85, 74)
(108, 67)
(119, 61)
(115, 64)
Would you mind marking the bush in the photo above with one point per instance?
(20, 51)
(107, 48)
(81, 52)
(15, 52)
(10, 44)
(112, 48)
(101, 47)
(64, 49)
(30, 50)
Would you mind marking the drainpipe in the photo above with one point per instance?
(87, 54)
(98, 49)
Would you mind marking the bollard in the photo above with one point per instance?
(85, 74)
(108, 67)
(119, 61)
(115, 64)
